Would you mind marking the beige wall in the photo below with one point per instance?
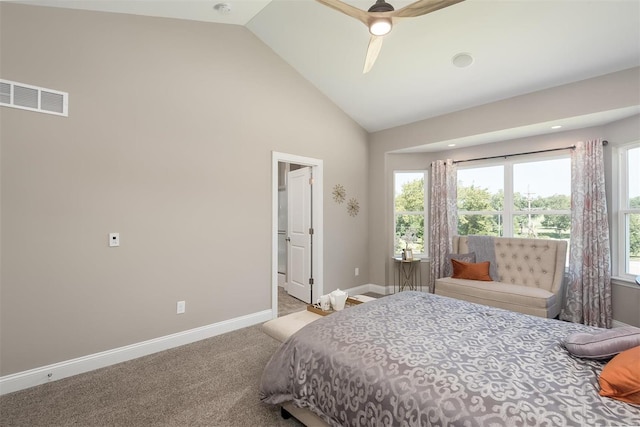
(168, 142)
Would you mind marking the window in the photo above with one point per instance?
(409, 211)
(481, 201)
(516, 198)
(629, 211)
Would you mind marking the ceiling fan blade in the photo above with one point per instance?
(422, 7)
(347, 9)
(375, 44)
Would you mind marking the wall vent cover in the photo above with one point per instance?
(33, 98)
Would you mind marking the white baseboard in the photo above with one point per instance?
(369, 287)
(57, 371)
(357, 290)
(379, 289)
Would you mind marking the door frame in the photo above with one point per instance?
(317, 257)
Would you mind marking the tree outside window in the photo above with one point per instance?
(481, 201)
(409, 211)
(537, 204)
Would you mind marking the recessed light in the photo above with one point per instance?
(462, 60)
(556, 127)
(223, 8)
(451, 145)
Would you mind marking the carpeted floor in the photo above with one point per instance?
(213, 382)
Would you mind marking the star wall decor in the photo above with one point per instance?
(339, 193)
(353, 207)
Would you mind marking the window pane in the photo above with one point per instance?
(481, 189)
(410, 233)
(542, 185)
(409, 192)
(542, 226)
(634, 177)
(409, 199)
(633, 244)
(486, 225)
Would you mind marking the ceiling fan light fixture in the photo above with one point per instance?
(380, 26)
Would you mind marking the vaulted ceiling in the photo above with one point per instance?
(516, 46)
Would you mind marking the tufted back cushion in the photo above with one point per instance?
(537, 263)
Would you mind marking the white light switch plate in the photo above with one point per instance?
(114, 239)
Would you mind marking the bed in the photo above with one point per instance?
(419, 359)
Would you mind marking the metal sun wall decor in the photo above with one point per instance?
(353, 207)
(339, 193)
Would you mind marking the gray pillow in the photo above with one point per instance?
(602, 345)
(447, 269)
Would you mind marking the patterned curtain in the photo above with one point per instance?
(443, 216)
(588, 293)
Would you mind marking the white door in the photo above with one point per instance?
(299, 273)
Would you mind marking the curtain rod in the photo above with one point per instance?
(504, 156)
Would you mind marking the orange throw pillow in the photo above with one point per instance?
(470, 270)
(620, 378)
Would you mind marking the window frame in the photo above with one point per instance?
(424, 212)
(509, 211)
(623, 207)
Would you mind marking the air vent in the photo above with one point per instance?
(33, 98)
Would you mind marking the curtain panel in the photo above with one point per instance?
(588, 293)
(443, 216)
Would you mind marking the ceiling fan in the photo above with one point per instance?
(381, 17)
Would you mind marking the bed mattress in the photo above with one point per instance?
(418, 359)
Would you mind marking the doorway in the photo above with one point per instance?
(315, 166)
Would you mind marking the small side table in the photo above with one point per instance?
(409, 276)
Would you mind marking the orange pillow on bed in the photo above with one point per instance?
(620, 378)
(470, 270)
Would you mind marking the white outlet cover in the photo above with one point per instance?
(180, 307)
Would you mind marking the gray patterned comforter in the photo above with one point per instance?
(417, 359)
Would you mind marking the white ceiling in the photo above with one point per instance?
(519, 46)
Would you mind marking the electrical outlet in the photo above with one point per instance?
(181, 307)
(357, 271)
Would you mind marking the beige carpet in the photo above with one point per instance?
(213, 382)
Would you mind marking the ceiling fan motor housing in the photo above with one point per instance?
(381, 6)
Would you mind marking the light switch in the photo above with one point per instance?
(114, 239)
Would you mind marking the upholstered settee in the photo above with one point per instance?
(527, 274)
